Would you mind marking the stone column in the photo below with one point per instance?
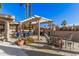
(7, 31)
(38, 30)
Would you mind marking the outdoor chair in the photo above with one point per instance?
(57, 41)
(47, 38)
(68, 41)
(54, 40)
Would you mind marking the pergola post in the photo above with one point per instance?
(20, 28)
(50, 28)
(38, 30)
(7, 31)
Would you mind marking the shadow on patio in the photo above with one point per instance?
(52, 48)
(38, 53)
(13, 51)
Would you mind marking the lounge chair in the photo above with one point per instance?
(54, 40)
(47, 38)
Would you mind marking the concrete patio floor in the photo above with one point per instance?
(7, 49)
(36, 49)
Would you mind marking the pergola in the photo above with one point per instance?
(6, 20)
(37, 20)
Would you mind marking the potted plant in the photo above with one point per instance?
(20, 42)
(29, 40)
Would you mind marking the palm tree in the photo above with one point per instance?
(0, 6)
(27, 14)
(64, 24)
(26, 7)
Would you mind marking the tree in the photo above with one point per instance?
(64, 23)
(0, 6)
(26, 8)
(26, 5)
(25, 26)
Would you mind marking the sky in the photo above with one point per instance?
(55, 11)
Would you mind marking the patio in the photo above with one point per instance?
(7, 49)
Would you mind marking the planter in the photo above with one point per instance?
(29, 40)
(20, 42)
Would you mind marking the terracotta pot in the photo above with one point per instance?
(20, 42)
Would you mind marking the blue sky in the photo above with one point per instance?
(55, 11)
